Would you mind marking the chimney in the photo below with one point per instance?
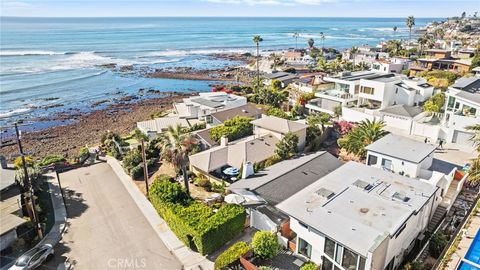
(223, 141)
(247, 169)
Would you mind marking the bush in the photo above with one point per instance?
(437, 244)
(415, 265)
(197, 126)
(231, 255)
(277, 112)
(265, 244)
(168, 191)
(263, 267)
(194, 223)
(309, 266)
(132, 160)
(435, 103)
(18, 163)
(51, 159)
(235, 128)
(83, 154)
(203, 182)
(272, 160)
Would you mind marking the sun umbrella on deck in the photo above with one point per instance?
(231, 171)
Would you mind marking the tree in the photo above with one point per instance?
(273, 95)
(18, 163)
(287, 147)
(257, 39)
(435, 103)
(277, 112)
(235, 128)
(296, 35)
(276, 60)
(464, 14)
(474, 172)
(362, 135)
(265, 244)
(353, 52)
(168, 191)
(322, 64)
(394, 47)
(309, 266)
(320, 118)
(175, 146)
(476, 135)
(410, 23)
(322, 38)
(437, 244)
(310, 42)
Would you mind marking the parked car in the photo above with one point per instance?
(33, 258)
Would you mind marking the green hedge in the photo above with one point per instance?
(196, 225)
(231, 255)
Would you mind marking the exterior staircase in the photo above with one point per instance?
(438, 216)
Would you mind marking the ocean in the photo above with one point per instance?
(52, 65)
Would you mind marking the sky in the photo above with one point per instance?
(241, 8)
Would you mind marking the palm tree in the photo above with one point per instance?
(310, 42)
(276, 59)
(322, 38)
(362, 135)
(353, 52)
(322, 64)
(410, 23)
(476, 135)
(422, 41)
(175, 146)
(394, 30)
(257, 39)
(296, 35)
(371, 131)
(335, 66)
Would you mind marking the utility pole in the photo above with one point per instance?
(145, 168)
(27, 184)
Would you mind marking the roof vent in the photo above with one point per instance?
(325, 193)
(364, 210)
(401, 196)
(363, 185)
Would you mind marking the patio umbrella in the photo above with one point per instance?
(234, 199)
(231, 171)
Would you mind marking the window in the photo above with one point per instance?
(372, 160)
(303, 225)
(349, 260)
(361, 264)
(338, 253)
(304, 248)
(387, 164)
(329, 247)
(367, 90)
(327, 264)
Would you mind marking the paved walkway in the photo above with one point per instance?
(188, 258)
(106, 229)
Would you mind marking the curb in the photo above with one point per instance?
(188, 258)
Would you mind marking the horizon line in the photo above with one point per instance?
(181, 16)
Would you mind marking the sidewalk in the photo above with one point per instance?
(188, 258)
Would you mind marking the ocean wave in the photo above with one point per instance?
(29, 53)
(177, 53)
(10, 113)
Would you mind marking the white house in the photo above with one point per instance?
(279, 127)
(386, 66)
(360, 217)
(462, 109)
(207, 103)
(153, 127)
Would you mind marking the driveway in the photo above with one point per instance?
(106, 228)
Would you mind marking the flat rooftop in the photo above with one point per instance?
(358, 75)
(402, 147)
(358, 205)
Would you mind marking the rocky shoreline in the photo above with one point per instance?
(87, 129)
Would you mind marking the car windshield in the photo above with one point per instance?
(22, 261)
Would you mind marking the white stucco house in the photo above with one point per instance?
(360, 217)
(278, 127)
(205, 104)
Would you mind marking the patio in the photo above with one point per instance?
(227, 173)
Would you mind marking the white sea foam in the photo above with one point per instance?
(176, 53)
(28, 52)
(6, 114)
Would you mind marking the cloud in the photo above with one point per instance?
(271, 2)
(15, 5)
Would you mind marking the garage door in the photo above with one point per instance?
(462, 137)
(397, 122)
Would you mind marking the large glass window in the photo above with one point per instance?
(338, 253)
(387, 164)
(329, 247)
(367, 90)
(361, 264)
(304, 248)
(327, 264)
(372, 160)
(349, 260)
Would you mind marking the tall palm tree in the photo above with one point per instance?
(353, 52)
(322, 38)
(410, 23)
(421, 42)
(476, 135)
(362, 135)
(175, 147)
(276, 59)
(296, 35)
(257, 39)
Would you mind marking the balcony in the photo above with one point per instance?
(336, 94)
(323, 105)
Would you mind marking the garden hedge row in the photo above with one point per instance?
(196, 225)
(231, 255)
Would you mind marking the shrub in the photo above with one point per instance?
(277, 112)
(18, 163)
(272, 160)
(197, 126)
(309, 266)
(194, 223)
(263, 267)
(83, 154)
(435, 103)
(287, 147)
(231, 255)
(415, 265)
(203, 182)
(168, 191)
(51, 159)
(437, 244)
(235, 128)
(265, 244)
(131, 160)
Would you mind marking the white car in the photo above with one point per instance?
(33, 258)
